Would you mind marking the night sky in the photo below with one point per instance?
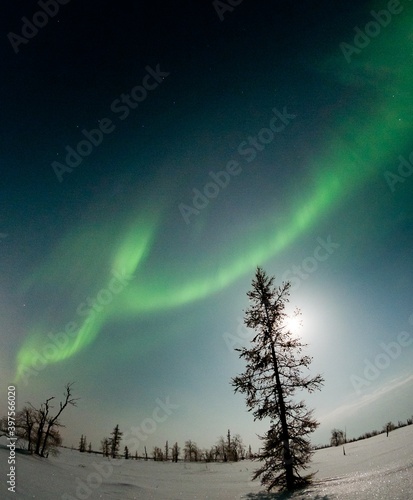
(153, 154)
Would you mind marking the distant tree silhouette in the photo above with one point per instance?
(26, 423)
(216, 452)
(208, 455)
(229, 449)
(126, 453)
(222, 449)
(337, 437)
(25, 426)
(175, 452)
(388, 428)
(115, 441)
(237, 448)
(82, 444)
(273, 374)
(105, 446)
(191, 451)
(157, 454)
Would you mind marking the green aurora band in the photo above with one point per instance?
(353, 155)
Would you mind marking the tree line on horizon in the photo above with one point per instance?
(228, 449)
(339, 437)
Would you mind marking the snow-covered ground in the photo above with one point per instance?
(377, 468)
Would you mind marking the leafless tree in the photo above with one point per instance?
(39, 427)
(157, 454)
(337, 437)
(191, 451)
(26, 426)
(49, 423)
(222, 449)
(388, 428)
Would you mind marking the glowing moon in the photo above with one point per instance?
(293, 324)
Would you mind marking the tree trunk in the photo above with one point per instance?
(39, 438)
(46, 437)
(29, 426)
(288, 464)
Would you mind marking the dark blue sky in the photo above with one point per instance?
(326, 170)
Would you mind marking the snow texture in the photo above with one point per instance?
(377, 468)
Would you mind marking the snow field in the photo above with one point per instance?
(377, 468)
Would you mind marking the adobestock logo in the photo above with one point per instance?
(389, 352)
(238, 340)
(310, 264)
(372, 29)
(29, 30)
(149, 425)
(222, 7)
(59, 341)
(247, 149)
(93, 481)
(404, 170)
(121, 107)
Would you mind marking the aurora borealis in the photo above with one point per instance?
(106, 281)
